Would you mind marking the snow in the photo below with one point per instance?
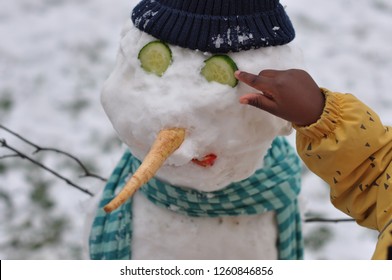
(54, 58)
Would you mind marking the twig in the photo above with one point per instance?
(3, 143)
(38, 149)
(321, 220)
(7, 156)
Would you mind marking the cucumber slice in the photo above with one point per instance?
(155, 57)
(220, 68)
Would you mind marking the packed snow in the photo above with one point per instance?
(54, 58)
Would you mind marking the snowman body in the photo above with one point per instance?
(139, 104)
(163, 234)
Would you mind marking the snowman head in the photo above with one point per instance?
(174, 73)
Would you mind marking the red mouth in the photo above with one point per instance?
(205, 161)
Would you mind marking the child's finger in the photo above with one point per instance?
(255, 81)
(269, 73)
(259, 101)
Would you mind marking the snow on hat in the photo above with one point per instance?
(216, 26)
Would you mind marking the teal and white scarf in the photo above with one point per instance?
(273, 188)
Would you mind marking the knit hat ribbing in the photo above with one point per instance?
(216, 26)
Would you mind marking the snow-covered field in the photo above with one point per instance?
(54, 58)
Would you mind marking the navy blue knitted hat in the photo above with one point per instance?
(216, 26)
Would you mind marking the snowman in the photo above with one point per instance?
(203, 177)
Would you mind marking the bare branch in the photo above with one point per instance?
(38, 149)
(4, 144)
(9, 156)
(321, 220)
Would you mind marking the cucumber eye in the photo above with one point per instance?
(155, 57)
(220, 68)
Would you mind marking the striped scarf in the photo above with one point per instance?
(272, 188)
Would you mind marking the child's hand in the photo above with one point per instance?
(292, 95)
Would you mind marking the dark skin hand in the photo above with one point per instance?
(291, 94)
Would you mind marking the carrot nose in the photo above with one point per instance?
(166, 143)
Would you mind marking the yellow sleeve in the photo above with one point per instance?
(350, 149)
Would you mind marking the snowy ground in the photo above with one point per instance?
(54, 57)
